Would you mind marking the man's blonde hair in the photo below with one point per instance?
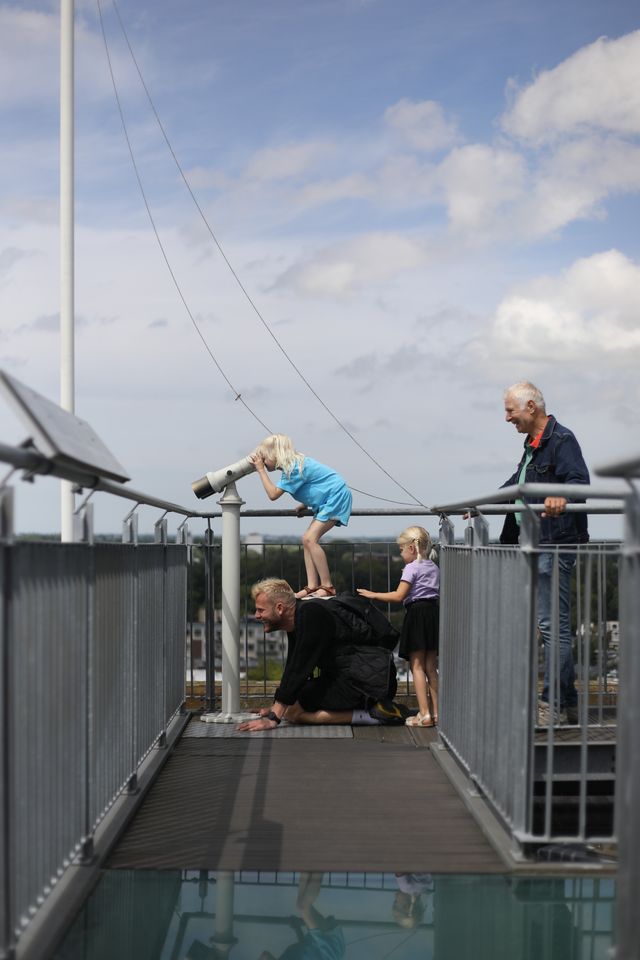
(277, 591)
(279, 448)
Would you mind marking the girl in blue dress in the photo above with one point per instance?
(315, 486)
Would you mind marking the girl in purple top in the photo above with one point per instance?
(418, 590)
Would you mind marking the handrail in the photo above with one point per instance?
(35, 463)
(620, 468)
(506, 494)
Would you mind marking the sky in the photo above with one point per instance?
(421, 204)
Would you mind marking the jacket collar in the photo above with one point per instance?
(548, 430)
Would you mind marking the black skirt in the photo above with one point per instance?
(420, 628)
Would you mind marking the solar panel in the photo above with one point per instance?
(59, 435)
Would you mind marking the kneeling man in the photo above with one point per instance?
(331, 697)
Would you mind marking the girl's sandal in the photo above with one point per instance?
(306, 592)
(329, 591)
(420, 721)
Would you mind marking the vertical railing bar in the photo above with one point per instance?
(554, 695)
(7, 889)
(602, 666)
(190, 615)
(210, 658)
(584, 731)
(89, 695)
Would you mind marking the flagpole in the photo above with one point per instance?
(67, 285)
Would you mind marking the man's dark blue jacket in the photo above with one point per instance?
(557, 459)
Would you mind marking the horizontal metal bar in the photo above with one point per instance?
(505, 494)
(620, 468)
(35, 463)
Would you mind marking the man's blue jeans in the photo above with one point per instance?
(566, 563)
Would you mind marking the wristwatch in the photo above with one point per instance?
(273, 716)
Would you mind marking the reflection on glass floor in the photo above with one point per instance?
(190, 915)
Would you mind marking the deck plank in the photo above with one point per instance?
(369, 803)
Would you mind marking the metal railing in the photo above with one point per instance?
(92, 677)
(539, 777)
(107, 624)
(628, 755)
(92, 640)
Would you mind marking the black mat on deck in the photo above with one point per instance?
(374, 802)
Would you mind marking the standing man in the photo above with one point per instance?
(551, 455)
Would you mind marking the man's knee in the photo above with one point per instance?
(293, 712)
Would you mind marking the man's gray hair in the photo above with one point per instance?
(277, 591)
(523, 391)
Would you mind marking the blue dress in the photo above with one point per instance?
(320, 488)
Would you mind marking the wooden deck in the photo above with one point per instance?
(300, 798)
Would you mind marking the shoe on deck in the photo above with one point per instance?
(544, 715)
(388, 711)
(573, 715)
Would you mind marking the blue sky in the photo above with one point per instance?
(425, 201)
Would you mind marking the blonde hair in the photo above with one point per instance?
(407, 910)
(421, 539)
(277, 591)
(279, 448)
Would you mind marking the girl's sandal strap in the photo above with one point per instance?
(419, 721)
(306, 592)
(328, 589)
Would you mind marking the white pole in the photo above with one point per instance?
(230, 503)
(67, 306)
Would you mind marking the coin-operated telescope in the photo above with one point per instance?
(216, 482)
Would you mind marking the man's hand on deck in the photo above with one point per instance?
(261, 723)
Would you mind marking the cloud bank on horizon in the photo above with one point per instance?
(418, 225)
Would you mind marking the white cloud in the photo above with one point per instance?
(286, 162)
(587, 314)
(597, 88)
(29, 37)
(353, 187)
(576, 179)
(423, 125)
(478, 182)
(338, 270)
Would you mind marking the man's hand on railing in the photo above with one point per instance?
(553, 506)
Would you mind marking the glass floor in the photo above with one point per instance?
(191, 915)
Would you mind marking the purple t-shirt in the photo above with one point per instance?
(423, 576)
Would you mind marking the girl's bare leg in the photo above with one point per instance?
(431, 670)
(418, 663)
(315, 559)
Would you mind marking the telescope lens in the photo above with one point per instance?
(202, 488)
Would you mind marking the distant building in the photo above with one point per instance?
(613, 633)
(254, 542)
(254, 643)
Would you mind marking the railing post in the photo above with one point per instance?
(230, 502)
(223, 938)
(6, 514)
(447, 530)
(7, 879)
(628, 765)
(480, 531)
(210, 648)
(130, 527)
(83, 524)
